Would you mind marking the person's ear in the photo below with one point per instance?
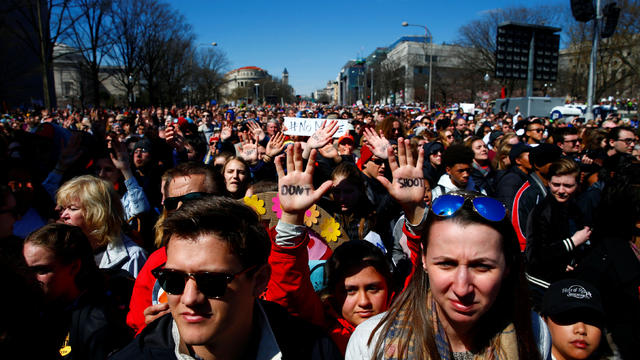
(74, 269)
(261, 279)
(448, 170)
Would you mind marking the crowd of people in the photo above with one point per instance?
(487, 236)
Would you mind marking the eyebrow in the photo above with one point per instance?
(472, 261)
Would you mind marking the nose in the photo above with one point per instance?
(191, 295)
(462, 285)
(363, 300)
(579, 328)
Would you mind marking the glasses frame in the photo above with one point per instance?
(198, 277)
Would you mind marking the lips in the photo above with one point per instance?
(365, 314)
(462, 307)
(580, 344)
(193, 318)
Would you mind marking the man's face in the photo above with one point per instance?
(272, 128)
(374, 167)
(523, 161)
(459, 174)
(141, 157)
(461, 124)
(206, 321)
(534, 132)
(625, 142)
(571, 144)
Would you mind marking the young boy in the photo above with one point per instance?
(573, 312)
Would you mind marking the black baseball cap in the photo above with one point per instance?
(517, 150)
(571, 294)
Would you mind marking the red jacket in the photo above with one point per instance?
(142, 295)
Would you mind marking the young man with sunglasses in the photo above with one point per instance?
(534, 132)
(186, 182)
(216, 268)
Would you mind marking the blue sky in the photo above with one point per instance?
(313, 40)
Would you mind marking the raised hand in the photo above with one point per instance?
(407, 187)
(256, 129)
(321, 137)
(121, 158)
(226, 131)
(378, 143)
(174, 138)
(329, 151)
(275, 145)
(249, 150)
(295, 189)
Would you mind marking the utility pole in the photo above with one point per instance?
(594, 60)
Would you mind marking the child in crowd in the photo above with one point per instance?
(573, 311)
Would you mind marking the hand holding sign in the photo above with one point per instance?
(295, 189)
(408, 180)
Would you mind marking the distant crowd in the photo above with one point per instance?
(145, 233)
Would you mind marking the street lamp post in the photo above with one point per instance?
(427, 34)
(256, 85)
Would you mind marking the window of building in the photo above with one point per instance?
(67, 88)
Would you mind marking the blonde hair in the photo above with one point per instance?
(100, 204)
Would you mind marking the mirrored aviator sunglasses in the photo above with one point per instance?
(490, 209)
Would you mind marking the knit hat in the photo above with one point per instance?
(365, 155)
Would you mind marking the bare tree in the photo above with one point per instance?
(45, 23)
(129, 19)
(208, 73)
(90, 35)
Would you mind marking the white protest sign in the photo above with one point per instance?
(306, 126)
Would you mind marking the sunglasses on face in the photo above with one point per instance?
(537, 130)
(377, 161)
(447, 205)
(211, 284)
(171, 203)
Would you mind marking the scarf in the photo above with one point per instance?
(503, 345)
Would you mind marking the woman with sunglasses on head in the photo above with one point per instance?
(466, 298)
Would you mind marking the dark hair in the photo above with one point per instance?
(614, 133)
(510, 306)
(349, 258)
(68, 243)
(229, 220)
(562, 132)
(457, 154)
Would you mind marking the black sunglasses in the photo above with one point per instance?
(378, 161)
(210, 284)
(171, 203)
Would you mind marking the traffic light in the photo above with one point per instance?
(583, 10)
(611, 14)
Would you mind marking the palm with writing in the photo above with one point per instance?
(321, 137)
(249, 150)
(295, 189)
(378, 143)
(407, 188)
(226, 131)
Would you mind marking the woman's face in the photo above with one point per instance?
(575, 340)
(563, 187)
(234, 176)
(480, 150)
(73, 214)
(465, 265)
(365, 294)
(57, 279)
(345, 194)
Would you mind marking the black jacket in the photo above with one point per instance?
(549, 247)
(296, 338)
(508, 184)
